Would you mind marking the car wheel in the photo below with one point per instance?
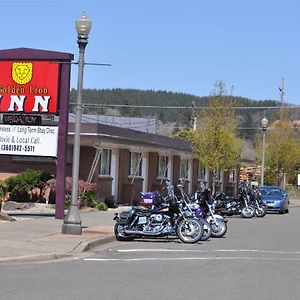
(286, 211)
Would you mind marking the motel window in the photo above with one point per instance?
(162, 166)
(135, 164)
(184, 168)
(105, 162)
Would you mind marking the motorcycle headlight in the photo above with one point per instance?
(188, 214)
(199, 212)
(194, 206)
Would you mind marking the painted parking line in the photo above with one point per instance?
(272, 255)
(210, 251)
(247, 258)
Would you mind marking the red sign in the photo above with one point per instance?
(29, 86)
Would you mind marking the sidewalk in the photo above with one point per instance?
(35, 237)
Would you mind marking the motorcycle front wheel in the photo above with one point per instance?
(119, 233)
(207, 231)
(219, 228)
(248, 212)
(260, 212)
(190, 230)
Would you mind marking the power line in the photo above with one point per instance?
(184, 107)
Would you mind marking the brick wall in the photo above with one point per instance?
(104, 188)
(87, 155)
(152, 171)
(10, 167)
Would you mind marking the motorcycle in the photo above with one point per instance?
(257, 202)
(240, 205)
(164, 218)
(203, 206)
(190, 207)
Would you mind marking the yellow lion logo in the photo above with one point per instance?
(21, 72)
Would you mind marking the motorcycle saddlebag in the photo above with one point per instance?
(150, 198)
(125, 218)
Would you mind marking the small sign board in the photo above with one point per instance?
(28, 140)
(15, 119)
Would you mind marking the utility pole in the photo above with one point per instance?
(281, 91)
(194, 116)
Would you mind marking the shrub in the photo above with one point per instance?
(88, 198)
(110, 202)
(86, 191)
(101, 206)
(20, 185)
(3, 192)
(26, 181)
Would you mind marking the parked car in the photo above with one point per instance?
(275, 198)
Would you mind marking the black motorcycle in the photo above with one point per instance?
(189, 205)
(166, 218)
(256, 201)
(240, 205)
(203, 206)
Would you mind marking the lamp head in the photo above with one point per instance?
(264, 123)
(83, 25)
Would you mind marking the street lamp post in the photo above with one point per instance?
(72, 222)
(264, 124)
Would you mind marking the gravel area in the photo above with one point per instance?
(14, 207)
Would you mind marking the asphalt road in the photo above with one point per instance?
(258, 259)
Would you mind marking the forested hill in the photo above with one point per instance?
(169, 107)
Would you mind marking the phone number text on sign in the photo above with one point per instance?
(28, 140)
(17, 148)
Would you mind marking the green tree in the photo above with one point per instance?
(214, 142)
(282, 150)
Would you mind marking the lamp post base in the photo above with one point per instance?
(72, 222)
(74, 229)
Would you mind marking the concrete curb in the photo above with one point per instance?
(85, 246)
(34, 258)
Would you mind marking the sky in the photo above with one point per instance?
(183, 46)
